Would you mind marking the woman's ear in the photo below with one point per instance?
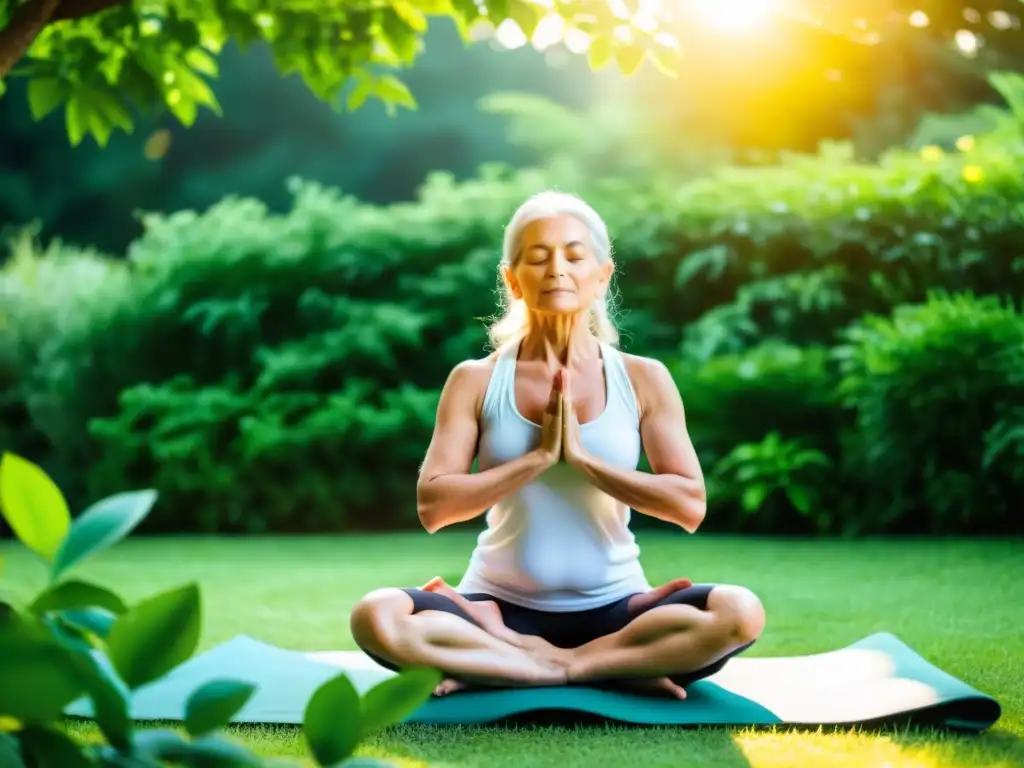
(512, 283)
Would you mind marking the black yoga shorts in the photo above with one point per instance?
(570, 629)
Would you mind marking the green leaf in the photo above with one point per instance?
(218, 752)
(526, 15)
(111, 110)
(665, 61)
(211, 706)
(368, 762)
(435, 7)
(164, 745)
(40, 678)
(394, 699)
(202, 62)
(76, 594)
(629, 58)
(10, 752)
(600, 51)
(332, 721)
(411, 15)
(398, 36)
(97, 621)
(33, 505)
(44, 95)
(754, 496)
(393, 91)
(51, 747)
(157, 635)
(359, 94)
(76, 119)
(109, 698)
(101, 525)
(801, 498)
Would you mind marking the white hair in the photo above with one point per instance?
(545, 205)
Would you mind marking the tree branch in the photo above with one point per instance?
(27, 21)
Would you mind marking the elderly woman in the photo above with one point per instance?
(557, 416)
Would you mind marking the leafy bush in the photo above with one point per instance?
(761, 475)
(280, 372)
(79, 640)
(741, 398)
(937, 394)
(764, 420)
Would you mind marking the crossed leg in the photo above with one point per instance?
(683, 643)
(666, 647)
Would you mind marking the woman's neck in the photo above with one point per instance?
(559, 340)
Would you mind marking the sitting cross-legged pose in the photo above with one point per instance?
(558, 417)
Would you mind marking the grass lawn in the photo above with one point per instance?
(958, 603)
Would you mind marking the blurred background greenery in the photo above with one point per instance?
(821, 235)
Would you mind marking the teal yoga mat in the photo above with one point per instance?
(878, 679)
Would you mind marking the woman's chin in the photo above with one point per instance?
(555, 308)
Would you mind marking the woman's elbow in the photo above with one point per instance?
(695, 508)
(426, 509)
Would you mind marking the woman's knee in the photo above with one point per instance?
(375, 618)
(738, 612)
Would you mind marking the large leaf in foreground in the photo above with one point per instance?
(332, 721)
(155, 636)
(211, 706)
(101, 525)
(40, 677)
(53, 747)
(394, 699)
(33, 505)
(76, 594)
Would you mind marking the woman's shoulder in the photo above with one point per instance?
(651, 380)
(472, 374)
(645, 370)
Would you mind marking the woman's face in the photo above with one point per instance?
(557, 271)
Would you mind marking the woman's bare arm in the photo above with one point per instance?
(674, 491)
(447, 491)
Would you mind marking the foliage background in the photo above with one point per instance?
(254, 315)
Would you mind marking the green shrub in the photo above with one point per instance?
(78, 641)
(279, 372)
(774, 478)
(756, 418)
(937, 395)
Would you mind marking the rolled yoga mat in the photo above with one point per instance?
(876, 680)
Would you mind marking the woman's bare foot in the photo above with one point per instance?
(655, 686)
(450, 685)
(652, 685)
(487, 614)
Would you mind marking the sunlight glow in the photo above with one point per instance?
(734, 14)
(577, 41)
(509, 35)
(967, 42)
(549, 31)
(919, 19)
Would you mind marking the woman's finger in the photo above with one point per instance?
(555, 401)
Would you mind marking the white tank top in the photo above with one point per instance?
(559, 543)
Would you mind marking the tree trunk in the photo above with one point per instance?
(31, 17)
(25, 25)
